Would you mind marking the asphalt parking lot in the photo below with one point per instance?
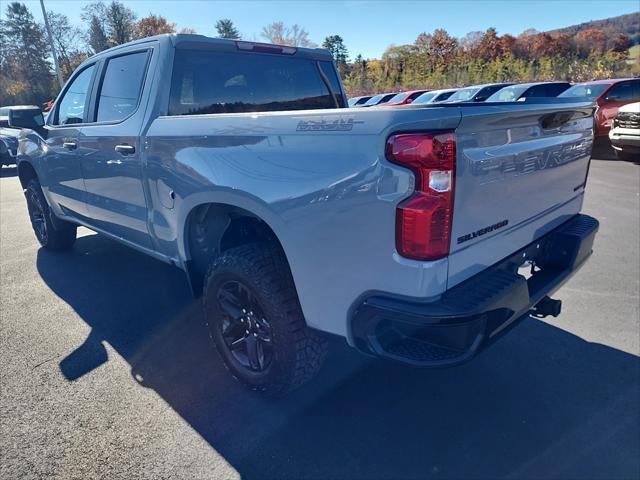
(107, 372)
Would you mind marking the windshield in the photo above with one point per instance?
(386, 98)
(589, 90)
(425, 97)
(352, 101)
(374, 100)
(443, 96)
(508, 94)
(401, 97)
(464, 94)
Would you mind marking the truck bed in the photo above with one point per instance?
(321, 181)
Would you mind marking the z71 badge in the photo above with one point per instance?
(482, 231)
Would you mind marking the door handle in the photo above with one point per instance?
(125, 149)
(70, 144)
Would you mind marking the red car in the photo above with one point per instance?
(404, 98)
(609, 95)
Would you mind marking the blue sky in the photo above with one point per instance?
(367, 27)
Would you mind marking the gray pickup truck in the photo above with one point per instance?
(419, 234)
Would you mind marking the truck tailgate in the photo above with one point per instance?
(520, 172)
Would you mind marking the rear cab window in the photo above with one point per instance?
(208, 81)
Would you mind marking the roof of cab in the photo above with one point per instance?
(182, 40)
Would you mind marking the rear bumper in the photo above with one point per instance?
(473, 314)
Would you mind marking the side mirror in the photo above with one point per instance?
(30, 118)
(409, 100)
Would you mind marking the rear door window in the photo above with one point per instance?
(537, 91)
(556, 89)
(121, 86)
(444, 96)
(206, 82)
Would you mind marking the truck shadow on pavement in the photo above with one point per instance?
(540, 403)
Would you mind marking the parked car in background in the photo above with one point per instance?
(476, 93)
(519, 92)
(609, 95)
(379, 99)
(625, 132)
(8, 146)
(358, 101)
(404, 98)
(434, 96)
(8, 135)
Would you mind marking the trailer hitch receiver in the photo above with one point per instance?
(547, 306)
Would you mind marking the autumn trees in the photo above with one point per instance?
(440, 60)
(153, 25)
(25, 71)
(281, 34)
(435, 59)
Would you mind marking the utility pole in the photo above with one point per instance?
(53, 49)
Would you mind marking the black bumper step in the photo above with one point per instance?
(472, 314)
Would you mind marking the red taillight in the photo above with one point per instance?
(423, 221)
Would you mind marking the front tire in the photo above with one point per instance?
(256, 323)
(60, 236)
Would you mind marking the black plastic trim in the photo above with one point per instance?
(471, 315)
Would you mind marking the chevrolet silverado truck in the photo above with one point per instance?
(419, 234)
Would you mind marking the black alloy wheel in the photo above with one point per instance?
(246, 332)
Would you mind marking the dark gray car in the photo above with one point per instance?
(519, 92)
(9, 136)
(476, 93)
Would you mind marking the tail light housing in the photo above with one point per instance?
(423, 221)
(265, 48)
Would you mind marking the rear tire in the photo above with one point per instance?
(58, 237)
(256, 323)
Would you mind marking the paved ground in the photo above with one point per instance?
(106, 372)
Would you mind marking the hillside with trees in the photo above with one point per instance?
(597, 49)
(628, 25)
(438, 59)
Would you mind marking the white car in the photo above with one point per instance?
(625, 132)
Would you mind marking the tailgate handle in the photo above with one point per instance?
(70, 144)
